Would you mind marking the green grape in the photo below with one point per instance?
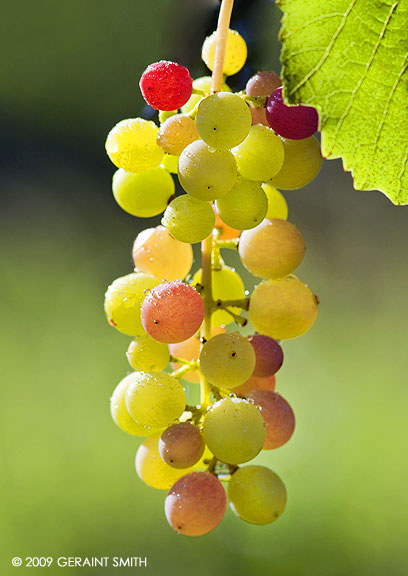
(123, 300)
(235, 56)
(234, 430)
(283, 308)
(119, 412)
(227, 360)
(257, 495)
(155, 399)
(260, 156)
(156, 252)
(144, 353)
(226, 285)
(143, 195)
(206, 174)
(223, 120)
(176, 133)
(277, 207)
(203, 83)
(273, 249)
(303, 160)
(244, 206)
(188, 219)
(132, 145)
(152, 470)
(170, 163)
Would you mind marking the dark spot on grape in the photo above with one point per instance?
(178, 527)
(214, 128)
(203, 340)
(155, 321)
(233, 354)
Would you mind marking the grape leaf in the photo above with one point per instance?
(348, 59)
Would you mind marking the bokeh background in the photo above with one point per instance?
(69, 72)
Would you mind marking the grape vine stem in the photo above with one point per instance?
(207, 244)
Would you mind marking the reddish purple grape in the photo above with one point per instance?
(166, 85)
(195, 504)
(293, 122)
(172, 312)
(268, 353)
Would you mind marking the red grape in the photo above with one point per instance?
(172, 312)
(269, 355)
(294, 122)
(278, 416)
(166, 85)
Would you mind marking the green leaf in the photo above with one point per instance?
(348, 59)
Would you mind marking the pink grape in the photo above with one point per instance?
(195, 504)
(172, 312)
(181, 445)
(256, 383)
(278, 416)
(294, 122)
(268, 353)
(263, 83)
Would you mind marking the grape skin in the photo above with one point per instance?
(278, 416)
(188, 219)
(143, 195)
(172, 312)
(119, 412)
(123, 300)
(154, 399)
(227, 360)
(273, 249)
(268, 353)
(150, 467)
(181, 445)
(257, 495)
(235, 56)
(131, 145)
(234, 430)
(156, 252)
(244, 206)
(303, 161)
(260, 156)
(223, 120)
(176, 133)
(144, 353)
(282, 308)
(206, 174)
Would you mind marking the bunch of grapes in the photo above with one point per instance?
(229, 152)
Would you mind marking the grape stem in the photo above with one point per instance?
(207, 244)
(223, 304)
(229, 244)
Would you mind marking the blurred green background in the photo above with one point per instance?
(69, 72)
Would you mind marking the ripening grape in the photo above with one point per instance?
(282, 308)
(225, 231)
(150, 467)
(263, 84)
(145, 353)
(235, 56)
(181, 445)
(143, 195)
(131, 145)
(268, 354)
(170, 163)
(226, 285)
(303, 160)
(255, 383)
(172, 312)
(123, 300)
(166, 85)
(294, 122)
(154, 399)
(119, 412)
(273, 249)
(190, 350)
(278, 416)
(244, 206)
(203, 83)
(260, 156)
(234, 430)
(195, 504)
(257, 495)
(227, 360)
(277, 207)
(156, 252)
(206, 174)
(223, 120)
(188, 219)
(176, 133)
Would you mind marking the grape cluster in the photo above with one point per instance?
(229, 151)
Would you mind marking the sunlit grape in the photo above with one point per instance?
(143, 195)
(235, 56)
(303, 160)
(277, 207)
(188, 219)
(244, 206)
(176, 133)
(145, 353)
(260, 156)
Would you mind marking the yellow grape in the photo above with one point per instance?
(244, 206)
(144, 353)
(303, 160)
(170, 163)
(277, 207)
(283, 308)
(188, 219)
(235, 56)
(260, 156)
